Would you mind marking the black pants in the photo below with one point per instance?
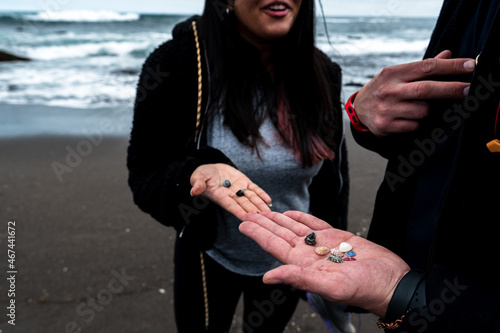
(267, 308)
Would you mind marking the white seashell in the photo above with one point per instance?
(322, 250)
(344, 247)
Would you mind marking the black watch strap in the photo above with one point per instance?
(404, 293)
(418, 300)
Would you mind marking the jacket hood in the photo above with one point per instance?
(185, 27)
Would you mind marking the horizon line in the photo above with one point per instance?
(194, 13)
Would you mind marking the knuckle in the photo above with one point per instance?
(420, 90)
(381, 123)
(421, 113)
(456, 90)
(412, 126)
(384, 74)
(388, 71)
(428, 65)
(381, 93)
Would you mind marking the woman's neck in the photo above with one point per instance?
(265, 48)
(265, 58)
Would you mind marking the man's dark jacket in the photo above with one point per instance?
(449, 152)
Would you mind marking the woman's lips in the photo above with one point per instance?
(277, 9)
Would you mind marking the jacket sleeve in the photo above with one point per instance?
(161, 156)
(388, 147)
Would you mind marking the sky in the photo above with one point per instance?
(421, 8)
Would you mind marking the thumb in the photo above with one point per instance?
(300, 278)
(199, 186)
(285, 274)
(446, 54)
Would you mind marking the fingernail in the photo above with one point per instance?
(270, 205)
(191, 192)
(469, 65)
(466, 91)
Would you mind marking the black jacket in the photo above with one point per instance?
(462, 287)
(162, 153)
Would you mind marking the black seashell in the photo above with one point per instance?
(310, 239)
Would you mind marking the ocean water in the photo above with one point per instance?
(91, 59)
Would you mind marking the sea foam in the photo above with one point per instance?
(82, 16)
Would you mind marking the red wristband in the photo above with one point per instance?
(353, 117)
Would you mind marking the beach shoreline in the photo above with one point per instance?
(81, 239)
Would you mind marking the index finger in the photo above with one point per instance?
(431, 67)
(267, 240)
(421, 90)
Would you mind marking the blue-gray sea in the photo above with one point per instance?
(90, 60)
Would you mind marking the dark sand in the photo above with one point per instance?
(75, 234)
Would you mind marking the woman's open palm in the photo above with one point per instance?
(207, 180)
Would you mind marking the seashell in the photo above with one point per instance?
(312, 235)
(336, 259)
(322, 250)
(350, 253)
(310, 239)
(349, 259)
(344, 247)
(336, 252)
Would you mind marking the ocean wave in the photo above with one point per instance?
(67, 86)
(93, 65)
(339, 20)
(364, 20)
(82, 16)
(365, 46)
(9, 18)
(79, 51)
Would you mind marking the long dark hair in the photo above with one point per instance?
(300, 99)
